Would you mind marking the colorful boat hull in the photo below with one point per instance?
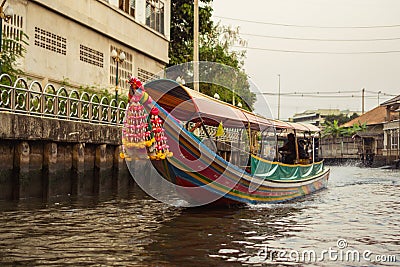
(196, 166)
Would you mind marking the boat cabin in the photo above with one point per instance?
(234, 133)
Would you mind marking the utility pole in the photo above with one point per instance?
(378, 97)
(196, 46)
(279, 96)
(363, 100)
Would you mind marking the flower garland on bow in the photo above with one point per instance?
(142, 130)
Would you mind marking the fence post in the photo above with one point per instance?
(68, 107)
(117, 118)
(56, 106)
(12, 98)
(28, 101)
(90, 111)
(79, 110)
(42, 101)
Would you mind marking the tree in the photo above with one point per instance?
(341, 118)
(182, 13)
(11, 51)
(333, 129)
(356, 128)
(215, 43)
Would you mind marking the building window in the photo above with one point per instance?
(128, 6)
(394, 139)
(155, 15)
(124, 69)
(91, 56)
(50, 41)
(13, 34)
(146, 76)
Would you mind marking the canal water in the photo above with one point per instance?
(355, 222)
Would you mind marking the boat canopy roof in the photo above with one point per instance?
(187, 105)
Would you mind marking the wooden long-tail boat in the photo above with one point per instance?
(238, 163)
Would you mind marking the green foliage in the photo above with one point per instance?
(215, 43)
(334, 130)
(356, 128)
(11, 51)
(181, 45)
(215, 47)
(341, 118)
(352, 117)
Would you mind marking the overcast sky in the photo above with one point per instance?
(339, 57)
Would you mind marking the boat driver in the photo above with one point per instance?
(288, 150)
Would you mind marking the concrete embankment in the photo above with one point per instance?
(46, 157)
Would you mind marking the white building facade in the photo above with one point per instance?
(70, 42)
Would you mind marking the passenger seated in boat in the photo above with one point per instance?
(303, 150)
(288, 150)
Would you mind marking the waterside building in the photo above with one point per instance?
(317, 117)
(71, 42)
(377, 145)
(391, 129)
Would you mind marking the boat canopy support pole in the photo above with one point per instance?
(313, 149)
(250, 139)
(297, 146)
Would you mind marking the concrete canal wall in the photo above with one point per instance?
(47, 157)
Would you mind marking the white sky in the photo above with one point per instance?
(316, 72)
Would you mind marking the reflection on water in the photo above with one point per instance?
(361, 206)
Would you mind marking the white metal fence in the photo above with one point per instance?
(35, 100)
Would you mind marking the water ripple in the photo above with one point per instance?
(361, 206)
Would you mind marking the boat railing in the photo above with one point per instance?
(231, 146)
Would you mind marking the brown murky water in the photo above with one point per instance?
(359, 213)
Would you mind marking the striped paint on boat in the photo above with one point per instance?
(220, 177)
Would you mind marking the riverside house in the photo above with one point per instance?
(391, 130)
(377, 145)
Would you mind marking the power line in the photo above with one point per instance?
(332, 92)
(327, 92)
(327, 96)
(311, 26)
(320, 39)
(324, 95)
(319, 52)
(379, 92)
